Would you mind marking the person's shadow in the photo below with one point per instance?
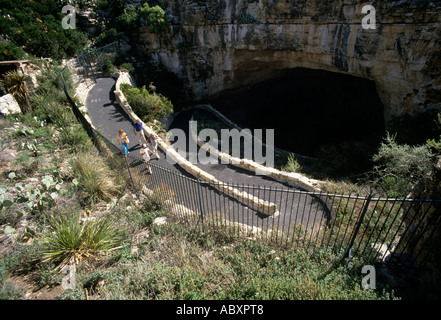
(135, 147)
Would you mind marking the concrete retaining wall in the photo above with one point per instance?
(295, 178)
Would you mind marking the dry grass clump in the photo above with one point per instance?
(95, 178)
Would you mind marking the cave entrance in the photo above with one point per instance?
(308, 109)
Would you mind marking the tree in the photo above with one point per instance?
(400, 166)
(36, 27)
(15, 84)
(154, 17)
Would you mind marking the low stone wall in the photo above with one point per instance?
(180, 210)
(295, 178)
(262, 206)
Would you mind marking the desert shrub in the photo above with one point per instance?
(49, 82)
(129, 19)
(153, 17)
(75, 137)
(268, 274)
(174, 263)
(148, 105)
(95, 178)
(10, 51)
(9, 262)
(127, 66)
(70, 240)
(292, 165)
(399, 166)
(106, 37)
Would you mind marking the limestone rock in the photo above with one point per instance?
(160, 221)
(7, 155)
(69, 277)
(8, 105)
(224, 45)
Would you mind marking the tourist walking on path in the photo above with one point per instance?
(144, 152)
(123, 140)
(153, 139)
(139, 132)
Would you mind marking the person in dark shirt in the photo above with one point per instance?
(139, 132)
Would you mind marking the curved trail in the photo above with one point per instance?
(108, 117)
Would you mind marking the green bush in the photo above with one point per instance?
(106, 37)
(36, 25)
(149, 106)
(108, 67)
(129, 20)
(153, 17)
(10, 51)
(399, 166)
(102, 4)
(292, 165)
(128, 67)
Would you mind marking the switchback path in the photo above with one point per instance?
(108, 117)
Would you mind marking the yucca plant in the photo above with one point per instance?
(71, 241)
(15, 84)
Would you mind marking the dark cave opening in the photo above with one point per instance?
(308, 109)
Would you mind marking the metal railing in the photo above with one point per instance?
(388, 229)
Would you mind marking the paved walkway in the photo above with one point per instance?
(108, 117)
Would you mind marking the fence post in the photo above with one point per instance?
(130, 174)
(90, 66)
(201, 217)
(357, 228)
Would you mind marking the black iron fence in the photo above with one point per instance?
(91, 63)
(388, 229)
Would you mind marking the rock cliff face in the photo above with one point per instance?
(216, 46)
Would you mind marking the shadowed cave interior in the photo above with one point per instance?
(307, 109)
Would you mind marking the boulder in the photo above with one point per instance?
(8, 105)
